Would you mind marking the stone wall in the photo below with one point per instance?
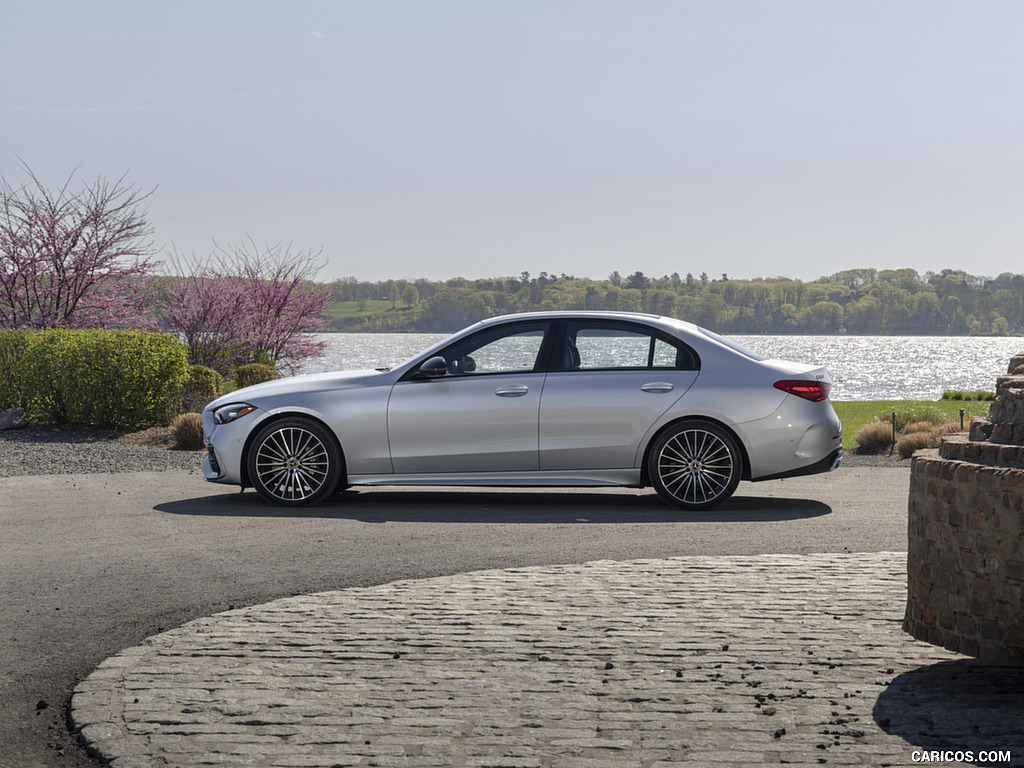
(965, 558)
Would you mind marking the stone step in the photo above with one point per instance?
(959, 447)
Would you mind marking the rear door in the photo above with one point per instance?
(612, 381)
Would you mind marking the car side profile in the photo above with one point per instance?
(538, 399)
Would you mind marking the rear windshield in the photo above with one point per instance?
(732, 345)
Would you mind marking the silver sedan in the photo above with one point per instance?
(539, 399)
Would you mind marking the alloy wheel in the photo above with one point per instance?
(695, 466)
(293, 463)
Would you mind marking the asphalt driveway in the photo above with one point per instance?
(91, 564)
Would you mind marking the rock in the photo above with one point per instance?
(13, 419)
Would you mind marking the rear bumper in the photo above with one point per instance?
(827, 464)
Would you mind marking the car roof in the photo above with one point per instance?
(555, 313)
(649, 318)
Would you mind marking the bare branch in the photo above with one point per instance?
(73, 258)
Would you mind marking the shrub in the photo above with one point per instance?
(948, 428)
(971, 394)
(187, 430)
(112, 379)
(874, 437)
(918, 426)
(913, 441)
(254, 373)
(203, 386)
(923, 412)
(13, 345)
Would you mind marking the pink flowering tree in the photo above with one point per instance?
(247, 304)
(74, 259)
(204, 311)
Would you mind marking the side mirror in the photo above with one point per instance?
(433, 368)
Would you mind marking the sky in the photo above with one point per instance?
(484, 138)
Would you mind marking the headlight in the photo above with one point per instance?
(228, 413)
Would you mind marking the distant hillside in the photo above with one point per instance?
(859, 301)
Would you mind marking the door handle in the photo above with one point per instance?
(657, 387)
(513, 390)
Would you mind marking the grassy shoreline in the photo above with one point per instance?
(856, 413)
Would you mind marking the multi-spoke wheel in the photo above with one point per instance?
(294, 461)
(695, 465)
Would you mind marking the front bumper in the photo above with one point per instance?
(211, 467)
(225, 444)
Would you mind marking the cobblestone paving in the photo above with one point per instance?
(720, 661)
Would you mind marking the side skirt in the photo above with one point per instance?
(629, 478)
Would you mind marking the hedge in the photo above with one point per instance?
(13, 347)
(112, 379)
(254, 373)
(203, 385)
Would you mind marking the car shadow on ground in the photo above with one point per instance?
(461, 505)
(960, 706)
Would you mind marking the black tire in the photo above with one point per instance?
(695, 465)
(294, 461)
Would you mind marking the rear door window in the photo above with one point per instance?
(602, 346)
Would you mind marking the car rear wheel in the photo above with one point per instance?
(695, 465)
(294, 461)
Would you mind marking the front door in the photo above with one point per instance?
(479, 417)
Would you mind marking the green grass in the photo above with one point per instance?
(350, 308)
(856, 413)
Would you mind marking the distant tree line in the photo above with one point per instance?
(857, 301)
(80, 256)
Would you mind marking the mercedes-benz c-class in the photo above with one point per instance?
(538, 399)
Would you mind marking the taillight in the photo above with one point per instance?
(815, 391)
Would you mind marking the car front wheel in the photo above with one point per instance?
(294, 461)
(695, 465)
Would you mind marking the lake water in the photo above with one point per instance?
(862, 367)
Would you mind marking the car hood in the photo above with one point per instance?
(291, 385)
